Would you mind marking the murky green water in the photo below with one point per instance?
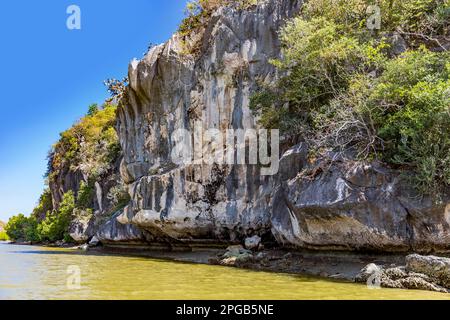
(41, 273)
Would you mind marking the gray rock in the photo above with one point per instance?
(406, 277)
(170, 90)
(94, 242)
(113, 232)
(354, 206)
(253, 242)
(437, 268)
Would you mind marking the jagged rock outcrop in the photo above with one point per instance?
(343, 206)
(169, 91)
(115, 232)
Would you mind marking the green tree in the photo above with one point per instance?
(93, 109)
(44, 206)
(56, 225)
(21, 228)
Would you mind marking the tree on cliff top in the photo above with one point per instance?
(91, 145)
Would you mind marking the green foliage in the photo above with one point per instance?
(195, 14)
(85, 195)
(430, 17)
(320, 63)
(342, 89)
(56, 225)
(413, 115)
(21, 228)
(3, 236)
(44, 206)
(15, 227)
(93, 109)
(91, 145)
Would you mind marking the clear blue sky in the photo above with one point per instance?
(50, 75)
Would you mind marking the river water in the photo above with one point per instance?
(41, 273)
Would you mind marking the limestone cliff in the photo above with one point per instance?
(343, 206)
(170, 90)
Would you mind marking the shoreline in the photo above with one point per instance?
(340, 266)
(332, 265)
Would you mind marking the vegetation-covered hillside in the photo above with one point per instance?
(358, 90)
(86, 154)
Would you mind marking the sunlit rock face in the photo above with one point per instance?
(346, 206)
(170, 90)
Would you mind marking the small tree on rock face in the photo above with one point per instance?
(117, 89)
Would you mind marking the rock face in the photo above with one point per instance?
(87, 223)
(344, 206)
(252, 243)
(358, 207)
(169, 91)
